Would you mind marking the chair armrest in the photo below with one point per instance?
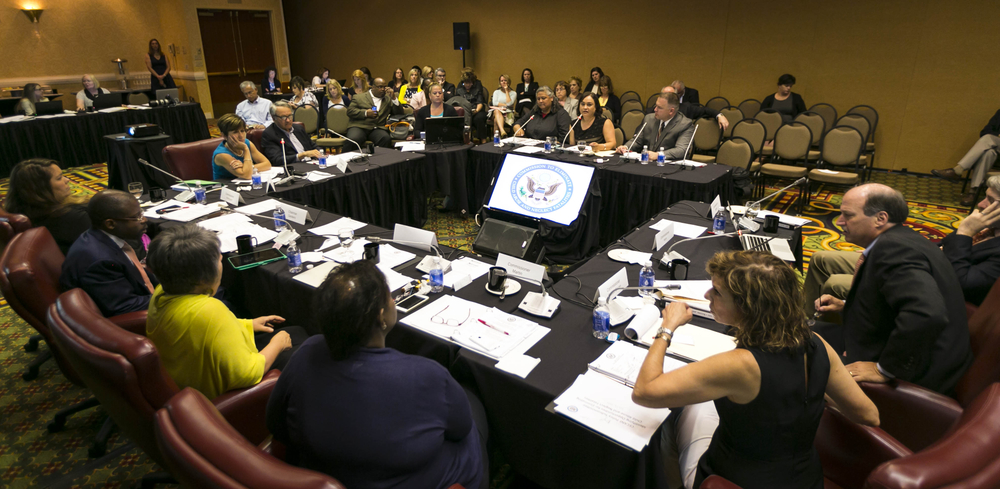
(244, 408)
(850, 451)
(716, 482)
(914, 415)
(133, 322)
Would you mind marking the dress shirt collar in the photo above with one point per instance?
(118, 241)
(870, 246)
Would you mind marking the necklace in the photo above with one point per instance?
(240, 153)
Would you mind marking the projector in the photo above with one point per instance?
(142, 130)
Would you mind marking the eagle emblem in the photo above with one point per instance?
(541, 192)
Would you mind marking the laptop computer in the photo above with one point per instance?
(774, 245)
(445, 130)
(172, 92)
(49, 108)
(108, 100)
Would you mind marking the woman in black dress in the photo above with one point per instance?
(593, 129)
(595, 76)
(768, 392)
(526, 91)
(271, 84)
(159, 67)
(608, 100)
(788, 103)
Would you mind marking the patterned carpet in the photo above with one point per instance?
(30, 456)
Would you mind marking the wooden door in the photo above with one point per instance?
(237, 46)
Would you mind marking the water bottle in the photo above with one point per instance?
(602, 319)
(646, 278)
(255, 179)
(645, 155)
(423, 135)
(661, 158)
(437, 276)
(719, 223)
(279, 219)
(294, 258)
(548, 145)
(199, 194)
(496, 138)
(322, 161)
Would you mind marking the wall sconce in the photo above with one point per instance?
(33, 14)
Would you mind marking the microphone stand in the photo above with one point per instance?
(361, 151)
(578, 119)
(776, 192)
(181, 196)
(522, 128)
(289, 176)
(634, 138)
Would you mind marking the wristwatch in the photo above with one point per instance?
(664, 333)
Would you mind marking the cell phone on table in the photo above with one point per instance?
(256, 259)
(412, 302)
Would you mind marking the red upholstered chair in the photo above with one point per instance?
(461, 111)
(254, 135)
(191, 161)
(123, 370)
(11, 225)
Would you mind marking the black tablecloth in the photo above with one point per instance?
(76, 140)
(124, 167)
(447, 172)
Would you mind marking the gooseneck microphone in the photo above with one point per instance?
(577, 121)
(522, 127)
(636, 137)
(183, 196)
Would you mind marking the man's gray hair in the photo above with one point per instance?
(678, 85)
(184, 258)
(994, 183)
(281, 103)
(546, 90)
(440, 70)
(246, 84)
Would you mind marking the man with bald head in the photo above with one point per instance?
(103, 262)
(692, 111)
(904, 316)
(369, 113)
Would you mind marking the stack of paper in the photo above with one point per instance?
(388, 257)
(410, 146)
(185, 212)
(691, 292)
(523, 141)
(463, 267)
(623, 360)
(265, 207)
(333, 228)
(229, 226)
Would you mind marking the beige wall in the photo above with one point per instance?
(75, 37)
(926, 66)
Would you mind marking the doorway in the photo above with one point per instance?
(237, 46)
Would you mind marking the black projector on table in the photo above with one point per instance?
(142, 130)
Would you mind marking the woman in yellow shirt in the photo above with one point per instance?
(201, 343)
(410, 89)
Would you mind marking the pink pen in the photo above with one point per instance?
(488, 325)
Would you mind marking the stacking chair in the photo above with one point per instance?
(750, 107)
(733, 115)
(772, 122)
(717, 103)
(193, 161)
(827, 112)
(309, 117)
(860, 123)
(818, 127)
(706, 139)
(336, 120)
(753, 131)
(631, 105)
(651, 101)
(619, 137)
(630, 122)
(842, 147)
(738, 153)
(628, 96)
(791, 144)
(869, 113)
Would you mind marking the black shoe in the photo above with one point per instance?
(948, 174)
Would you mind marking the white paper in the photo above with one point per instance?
(265, 176)
(317, 275)
(393, 278)
(410, 146)
(519, 365)
(663, 236)
(265, 207)
(415, 237)
(619, 311)
(227, 227)
(465, 266)
(151, 212)
(328, 243)
(645, 321)
(516, 267)
(716, 205)
(681, 229)
(230, 197)
(618, 280)
(316, 176)
(333, 228)
(192, 212)
(312, 257)
(294, 214)
(524, 141)
(691, 163)
(530, 149)
(782, 218)
(623, 360)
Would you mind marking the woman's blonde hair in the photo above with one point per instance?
(93, 78)
(364, 80)
(333, 88)
(767, 297)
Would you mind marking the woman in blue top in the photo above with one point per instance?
(368, 415)
(236, 157)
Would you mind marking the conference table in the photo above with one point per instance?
(77, 139)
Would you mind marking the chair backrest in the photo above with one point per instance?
(772, 122)
(11, 225)
(793, 141)
(842, 146)
(630, 122)
(708, 134)
(858, 122)
(736, 152)
(309, 118)
(122, 369)
(651, 101)
(191, 161)
(827, 112)
(630, 96)
(750, 107)
(619, 137)
(631, 105)
(868, 112)
(965, 457)
(336, 119)
(254, 136)
(753, 131)
(849, 452)
(408, 110)
(138, 99)
(984, 333)
(202, 450)
(816, 124)
(717, 103)
(460, 111)
(733, 115)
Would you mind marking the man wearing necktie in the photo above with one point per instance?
(665, 128)
(103, 263)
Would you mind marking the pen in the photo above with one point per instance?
(672, 287)
(488, 325)
(174, 210)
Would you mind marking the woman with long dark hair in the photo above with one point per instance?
(526, 91)
(159, 67)
(39, 190)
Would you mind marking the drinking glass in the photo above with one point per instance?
(346, 236)
(135, 188)
(752, 210)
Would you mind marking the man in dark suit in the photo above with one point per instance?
(694, 112)
(665, 128)
(369, 113)
(973, 250)
(101, 261)
(686, 94)
(448, 87)
(298, 146)
(904, 316)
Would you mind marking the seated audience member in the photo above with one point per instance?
(979, 159)
(449, 88)
(271, 84)
(547, 118)
(609, 101)
(593, 86)
(39, 189)
(335, 95)
(502, 106)
(749, 415)
(322, 78)
(971, 249)
(904, 316)
(91, 90)
(665, 128)
(411, 88)
(695, 112)
(255, 110)
(472, 92)
(436, 108)
(368, 76)
(593, 129)
(103, 263)
(201, 343)
(368, 415)
(788, 103)
(685, 94)
(359, 84)
(398, 80)
(298, 145)
(33, 93)
(575, 84)
(300, 96)
(236, 156)
(369, 113)
(419, 99)
(568, 103)
(526, 91)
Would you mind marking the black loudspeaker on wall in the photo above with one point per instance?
(510, 239)
(461, 30)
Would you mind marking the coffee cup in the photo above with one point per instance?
(496, 279)
(245, 244)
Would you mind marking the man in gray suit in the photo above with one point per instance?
(369, 113)
(665, 128)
